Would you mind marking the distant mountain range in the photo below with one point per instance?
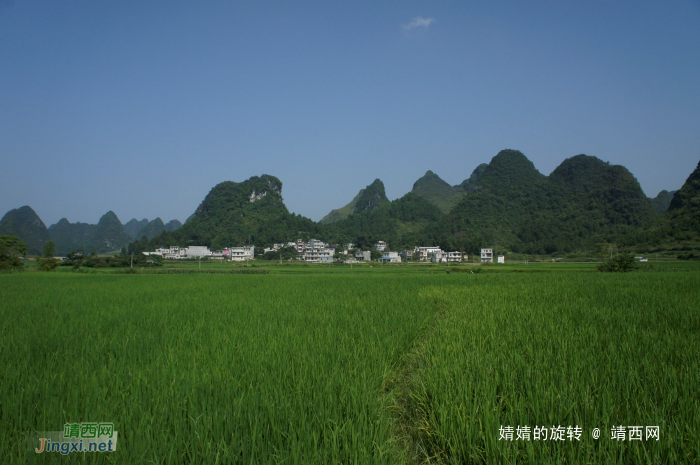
(506, 203)
(108, 235)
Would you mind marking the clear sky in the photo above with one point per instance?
(141, 107)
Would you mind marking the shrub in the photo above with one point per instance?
(619, 263)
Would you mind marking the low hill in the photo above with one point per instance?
(369, 198)
(133, 226)
(662, 201)
(152, 229)
(173, 225)
(342, 213)
(24, 223)
(678, 228)
(436, 191)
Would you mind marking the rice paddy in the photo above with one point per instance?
(392, 365)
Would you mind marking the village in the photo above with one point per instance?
(316, 251)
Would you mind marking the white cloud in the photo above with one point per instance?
(418, 22)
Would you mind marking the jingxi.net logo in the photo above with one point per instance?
(78, 437)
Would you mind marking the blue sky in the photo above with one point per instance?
(142, 107)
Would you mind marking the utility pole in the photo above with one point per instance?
(200, 263)
(132, 259)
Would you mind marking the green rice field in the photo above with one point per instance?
(326, 365)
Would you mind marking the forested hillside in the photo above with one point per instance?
(108, 235)
(249, 212)
(679, 227)
(24, 223)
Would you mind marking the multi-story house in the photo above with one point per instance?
(486, 255)
(391, 257)
(423, 253)
(239, 254)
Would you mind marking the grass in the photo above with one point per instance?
(595, 351)
(317, 364)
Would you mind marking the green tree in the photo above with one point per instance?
(619, 264)
(11, 248)
(49, 249)
(48, 263)
(75, 258)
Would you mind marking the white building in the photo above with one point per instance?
(423, 253)
(438, 257)
(363, 255)
(276, 247)
(454, 256)
(218, 255)
(406, 254)
(501, 259)
(318, 255)
(300, 246)
(381, 245)
(197, 251)
(326, 255)
(391, 257)
(240, 254)
(486, 255)
(316, 244)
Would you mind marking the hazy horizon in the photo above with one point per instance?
(143, 108)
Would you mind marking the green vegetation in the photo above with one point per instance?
(393, 364)
(679, 227)
(622, 263)
(662, 201)
(239, 369)
(152, 229)
(436, 191)
(108, 235)
(250, 212)
(134, 226)
(582, 202)
(173, 225)
(402, 223)
(471, 183)
(48, 262)
(11, 248)
(342, 213)
(592, 350)
(26, 225)
(371, 197)
(505, 204)
(285, 253)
